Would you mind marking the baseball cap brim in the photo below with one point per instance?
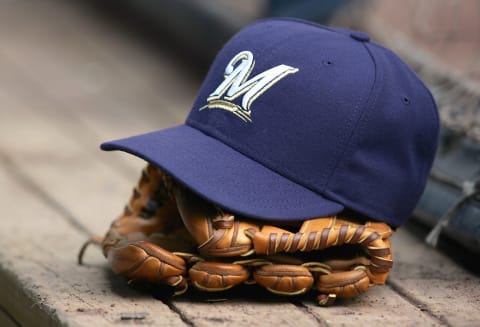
(224, 176)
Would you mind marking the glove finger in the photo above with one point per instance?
(331, 232)
(148, 262)
(381, 265)
(217, 276)
(151, 209)
(284, 279)
(344, 284)
(216, 233)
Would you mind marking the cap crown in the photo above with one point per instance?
(325, 108)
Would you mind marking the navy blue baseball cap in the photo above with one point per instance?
(296, 120)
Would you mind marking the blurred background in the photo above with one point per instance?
(76, 73)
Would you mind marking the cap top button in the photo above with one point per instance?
(360, 36)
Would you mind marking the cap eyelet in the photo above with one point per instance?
(405, 100)
(327, 62)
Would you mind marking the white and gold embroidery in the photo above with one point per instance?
(236, 83)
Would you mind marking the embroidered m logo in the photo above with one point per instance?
(236, 83)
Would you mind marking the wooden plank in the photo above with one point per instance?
(91, 178)
(40, 280)
(379, 306)
(89, 181)
(55, 162)
(6, 320)
(57, 125)
(99, 82)
(425, 286)
(59, 100)
(44, 173)
(244, 306)
(93, 56)
(434, 282)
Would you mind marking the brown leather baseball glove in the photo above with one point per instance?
(168, 235)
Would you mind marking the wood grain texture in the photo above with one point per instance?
(434, 282)
(70, 81)
(6, 320)
(378, 306)
(40, 279)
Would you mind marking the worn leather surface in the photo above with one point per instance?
(168, 235)
(221, 235)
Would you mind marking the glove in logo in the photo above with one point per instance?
(236, 83)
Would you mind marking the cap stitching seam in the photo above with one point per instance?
(362, 122)
(341, 163)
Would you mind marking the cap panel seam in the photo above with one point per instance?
(417, 188)
(362, 122)
(365, 99)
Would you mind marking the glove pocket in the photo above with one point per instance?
(145, 261)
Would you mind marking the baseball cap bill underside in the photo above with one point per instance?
(224, 176)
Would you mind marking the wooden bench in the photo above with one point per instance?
(69, 82)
